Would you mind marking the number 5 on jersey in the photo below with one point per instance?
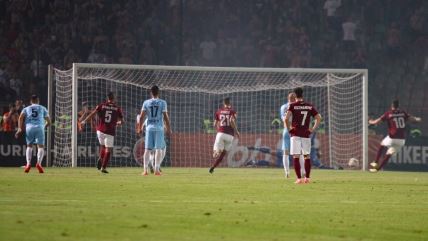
(107, 115)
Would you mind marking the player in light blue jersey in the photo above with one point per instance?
(286, 136)
(155, 110)
(152, 155)
(36, 118)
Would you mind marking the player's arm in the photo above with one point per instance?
(215, 124)
(286, 120)
(234, 126)
(89, 117)
(376, 121)
(120, 119)
(415, 119)
(137, 124)
(141, 121)
(316, 124)
(48, 121)
(20, 124)
(167, 123)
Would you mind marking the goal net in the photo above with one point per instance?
(193, 95)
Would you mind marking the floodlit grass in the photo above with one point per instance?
(231, 204)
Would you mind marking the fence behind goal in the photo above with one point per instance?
(193, 95)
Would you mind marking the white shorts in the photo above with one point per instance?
(396, 143)
(300, 145)
(223, 141)
(105, 139)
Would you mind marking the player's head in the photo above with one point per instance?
(291, 97)
(154, 91)
(34, 99)
(110, 96)
(226, 101)
(395, 104)
(85, 105)
(299, 92)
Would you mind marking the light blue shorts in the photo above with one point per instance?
(285, 141)
(155, 139)
(35, 135)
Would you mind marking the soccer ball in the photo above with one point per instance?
(353, 162)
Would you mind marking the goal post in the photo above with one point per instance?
(193, 94)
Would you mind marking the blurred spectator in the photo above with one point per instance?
(269, 55)
(16, 84)
(19, 105)
(70, 58)
(331, 6)
(359, 58)
(147, 54)
(393, 40)
(349, 28)
(10, 119)
(208, 48)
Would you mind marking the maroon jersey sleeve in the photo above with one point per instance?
(216, 116)
(384, 117)
(120, 113)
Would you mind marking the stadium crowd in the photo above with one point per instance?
(388, 37)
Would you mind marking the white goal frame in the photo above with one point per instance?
(76, 66)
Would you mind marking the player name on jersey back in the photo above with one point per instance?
(304, 107)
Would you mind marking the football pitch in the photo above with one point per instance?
(231, 204)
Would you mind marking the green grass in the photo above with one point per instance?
(231, 204)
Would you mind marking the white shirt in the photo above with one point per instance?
(331, 6)
(349, 31)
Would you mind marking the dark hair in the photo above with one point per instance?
(154, 90)
(226, 101)
(110, 95)
(34, 98)
(395, 103)
(299, 92)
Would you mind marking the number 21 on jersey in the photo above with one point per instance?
(225, 120)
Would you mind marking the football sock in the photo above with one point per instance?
(106, 158)
(219, 159)
(307, 167)
(302, 165)
(380, 152)
(384, 161)
(163, 152)
(29, 154)
(146, 159)
(152, 159)
(158, 159)
(40, 155)
(102, 152)
(296, 163)
(286, 163)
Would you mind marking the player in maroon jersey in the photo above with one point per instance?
(225, 122)
(396, 120)
(301, 113)
(109, 116)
